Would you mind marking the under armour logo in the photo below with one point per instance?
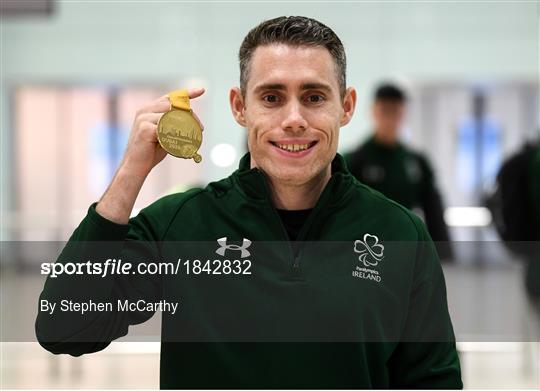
(224, 246)
(370, 250)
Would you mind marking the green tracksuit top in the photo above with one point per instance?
(294, 296)
(396, 171)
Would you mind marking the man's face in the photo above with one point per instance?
(388, 116)
(292, 110)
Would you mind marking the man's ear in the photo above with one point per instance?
(236, 101)
(349, 104)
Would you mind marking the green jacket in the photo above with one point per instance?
(280, 327)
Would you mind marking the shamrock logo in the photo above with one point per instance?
(370, 250)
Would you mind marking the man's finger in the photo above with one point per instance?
(163, 103)
(158, 106)
(192, 93)
(151, 117)
(195, 92)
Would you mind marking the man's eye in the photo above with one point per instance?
(271, 98)
(315, 98)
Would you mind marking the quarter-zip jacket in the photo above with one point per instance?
(305, 318)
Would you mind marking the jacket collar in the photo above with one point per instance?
(253, 182)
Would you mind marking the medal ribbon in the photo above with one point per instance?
(180, 99)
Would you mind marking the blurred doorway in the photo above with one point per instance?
(468, 131)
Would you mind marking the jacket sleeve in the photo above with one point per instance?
(432, 206)
(426, 356)
(95, 240)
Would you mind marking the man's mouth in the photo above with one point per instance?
(294, 147)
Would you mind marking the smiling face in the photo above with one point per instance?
(292, 110)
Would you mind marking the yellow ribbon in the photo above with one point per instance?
(179, 99)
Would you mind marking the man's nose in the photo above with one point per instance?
(294, 119)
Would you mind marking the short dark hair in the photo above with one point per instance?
(390, 93)
(295, 31)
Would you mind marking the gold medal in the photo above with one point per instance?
(178, 131)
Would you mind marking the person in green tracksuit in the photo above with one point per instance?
(400, 173)
(322, 281)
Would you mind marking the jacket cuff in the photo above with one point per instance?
(107, 229)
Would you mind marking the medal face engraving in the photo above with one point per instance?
(180, 134)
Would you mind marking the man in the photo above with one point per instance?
(401, 174)
(298, 318)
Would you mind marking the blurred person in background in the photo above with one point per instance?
(384, 163)
(515, 206)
